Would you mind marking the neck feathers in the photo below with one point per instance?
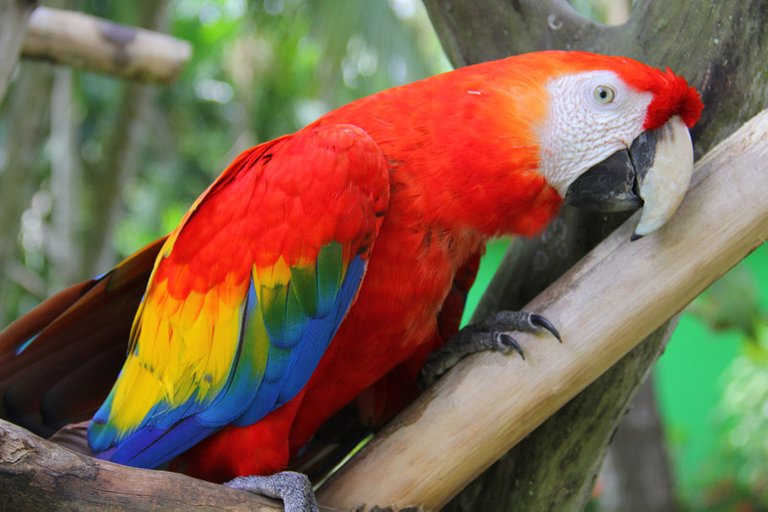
(464, 150)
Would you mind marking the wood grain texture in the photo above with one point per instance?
(36, 474)
(82, 41)
(616, 296)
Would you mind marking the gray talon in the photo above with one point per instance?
(539, 322)
(506, 342)
(495, 333)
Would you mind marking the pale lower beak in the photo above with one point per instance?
(663, 187)
(653, 173)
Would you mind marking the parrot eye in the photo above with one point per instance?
(604, 94)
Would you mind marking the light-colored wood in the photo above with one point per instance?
(83, 41)
(603, 307)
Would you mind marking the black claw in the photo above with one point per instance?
(541, 322)
(504, 339)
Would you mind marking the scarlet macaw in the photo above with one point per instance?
(321, 265)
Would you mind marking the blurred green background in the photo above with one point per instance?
(92, 168)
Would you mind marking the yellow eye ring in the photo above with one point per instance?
(604, 94)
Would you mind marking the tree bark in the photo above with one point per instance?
(637, 475)
(34, 471)
(720, 47)
(14, 16)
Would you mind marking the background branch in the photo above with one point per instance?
(82, 41)
(14, 16)
(488, 404)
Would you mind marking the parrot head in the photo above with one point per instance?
(615, 136)
(500, 145)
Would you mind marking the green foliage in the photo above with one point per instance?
(744, 425)
(714, 385)
(258, 70)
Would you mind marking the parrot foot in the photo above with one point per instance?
(294, 489)
(494, 334)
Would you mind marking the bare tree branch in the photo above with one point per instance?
(486, 405)
(34, 472)
(83, 41)
(593, 421)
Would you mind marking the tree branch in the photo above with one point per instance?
(592, 419)
(637, 474)
(487, 404)
(34, 472)
(83, 41)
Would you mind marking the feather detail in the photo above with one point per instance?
(60, 359)
(243, 299)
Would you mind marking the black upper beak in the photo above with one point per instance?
(654, 173)
(613, 185)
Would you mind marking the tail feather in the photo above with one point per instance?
(59, 361)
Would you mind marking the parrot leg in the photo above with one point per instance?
(494, 334)
(294, 489)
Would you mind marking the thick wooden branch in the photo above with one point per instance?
(83, 41)
(604, 306)
(555, 469)
(39, 475)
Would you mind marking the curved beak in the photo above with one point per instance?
(654, 173)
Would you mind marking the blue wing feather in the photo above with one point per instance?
(273, 336)
(248, 395)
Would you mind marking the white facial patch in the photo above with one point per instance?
(592, 115)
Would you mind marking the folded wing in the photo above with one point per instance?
(246, 294)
